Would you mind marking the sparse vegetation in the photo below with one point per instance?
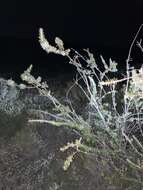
(111, 130)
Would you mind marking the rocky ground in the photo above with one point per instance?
(30, 156)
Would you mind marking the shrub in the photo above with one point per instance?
(111, 131)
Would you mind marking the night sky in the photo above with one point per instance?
(106, 27)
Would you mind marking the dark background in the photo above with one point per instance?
(107, 27)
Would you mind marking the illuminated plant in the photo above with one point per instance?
(114, 118)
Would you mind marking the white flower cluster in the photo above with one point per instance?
(51, 49)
